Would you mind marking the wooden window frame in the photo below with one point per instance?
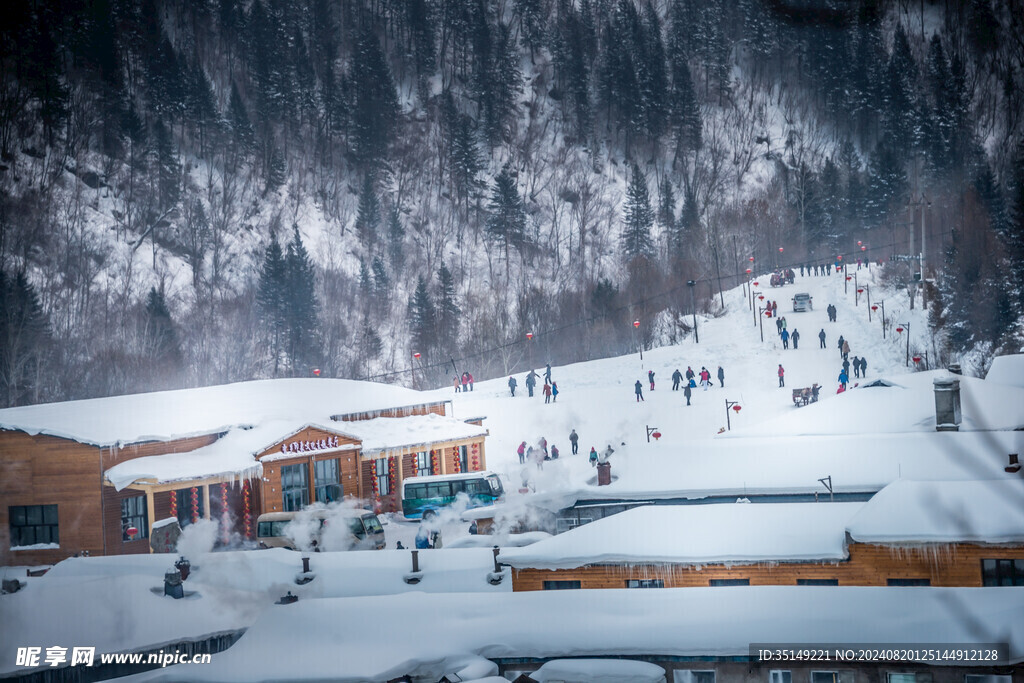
(53, 527)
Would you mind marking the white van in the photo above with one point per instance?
(803, 302)
(365, 529)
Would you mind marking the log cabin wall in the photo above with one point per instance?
(47, 470)
(113, 537)
(115, 455)
(869, 565)
(348, 467)
(405, 411)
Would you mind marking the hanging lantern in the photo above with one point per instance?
(863, 248)
(474, 458)
(456, 461)
(247, 508)
(749, 271)
(435, 462)
(756, 283)
(529, 336)
(225, 515)
(416, 355)
(751, 259)
(780, 250)
(860, 291)
(859, 243)
(900, 330)
(131, 532)
(656, 435)
(849, 277)
(736, 408)
(760, 297)
(316, 372)
(195, 504)
(874, 307)
(174, 504)
(839, 258)
(916, 359)
(636, 323)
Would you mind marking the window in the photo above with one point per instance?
(184, 503)
(415, 491)
(832, 677)
(729, 582)
(295, 486)
(987, 678)
(560, 585)
(686, 676)
(441, 490)
(908, 582)
(463, 452)
(134, 514)
(779, 676)
(32, 524)
(380, 470)
(1002, 572)
(909, 678)
(327, 480)
(423, 465)
(645, 583)
(817, 582)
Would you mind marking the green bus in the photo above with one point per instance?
(422, 497)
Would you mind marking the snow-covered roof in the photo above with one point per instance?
(384, 434)
(697, 534)
(166, 415)
(943, 512)
(675, 622)
(738, 467)
(906, 406)
(1007, 370)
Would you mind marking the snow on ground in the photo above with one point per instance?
(442, 632)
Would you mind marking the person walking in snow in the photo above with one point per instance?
(846, 349)
(785, 339)
(796, 338)
(844, 378)
(863, 367)
(778, 325)
(688, 392)
(840, 344)
(593, 456)
(650, 378)
(547, 392)
(821, 336)
(831, 310)
(469, 375)
(531, 382)
(639, 389)
(465, 382)
(689, 373)
(721, 377)
(544, 446)
(554, 392)
(511, 385)
(856, 367)
(677, 377)
(784, 323)
(547, 373)
(846, 367)
(782, 376)
(458, 385)
(522, 453)
(574, 439)
(775, 308)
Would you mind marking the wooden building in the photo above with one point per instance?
(95, 476)
(967, 534)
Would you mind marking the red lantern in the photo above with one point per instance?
(780, 250)
(316, 372)
(247, 505)
(529, 335)
(435, 462)
(761, 297)
(756, 283)
(860, 291)
(416, 355)
(736, 408)
(863, 248)
(751, 259)
(131, 531)
(636, 323)
(859, 243)
(749, 271)
(849, 277)
(916, 359)
(900, 330)
(195, 504)
(656, 435)
(456, 462)
(174, 504)
(874, 308)
(839, 258)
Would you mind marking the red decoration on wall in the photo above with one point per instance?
(456, 460)
(174, 504)
(225, 515)
(195, 504)
(435, 462)
(247, 507)
(474, 459)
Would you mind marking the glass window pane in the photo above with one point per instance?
(34, 514)
(49, 514)
(17, 514)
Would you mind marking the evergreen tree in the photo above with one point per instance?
(666, 207)
(422, 31)
(202, 106)
(531, 23)
(396, 239)
(498, 81)
(365, 283)
(652, 79)
(686, 227)
(164, 347)
(506, 224)
(271, 299)
(368, 214)
(887, 183)
(242, 135)
(374, 102)
(422, 318)
(167, 81)
(381, 282)
(639, 217)
(277, 169)
(900, 105)
(24, 340)
(302, 306)
(448, 312)
(168, 167)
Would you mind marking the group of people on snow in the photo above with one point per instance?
(550, 388)
(539, 452)
(691, 380)
(463, 383)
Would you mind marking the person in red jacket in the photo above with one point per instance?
(547, 392)
(782, 376)
(470, 376)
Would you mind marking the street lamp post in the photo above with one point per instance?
(693, 285)
(529, 346)
(868, 288)
(639, 341)
(760, 317)
(882, 304)
(735, 405)
(753, 306)
(899, 329)
(856, 290)
(749, 290)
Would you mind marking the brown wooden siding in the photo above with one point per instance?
(406, 411)
(116, 455)
(270, 486)
(868, 565)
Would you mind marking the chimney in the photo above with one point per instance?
(947, 404)
(604, 474)
(954, 368)
(1014, 465)
(172, 584)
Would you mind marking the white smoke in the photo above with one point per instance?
(198, 538)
